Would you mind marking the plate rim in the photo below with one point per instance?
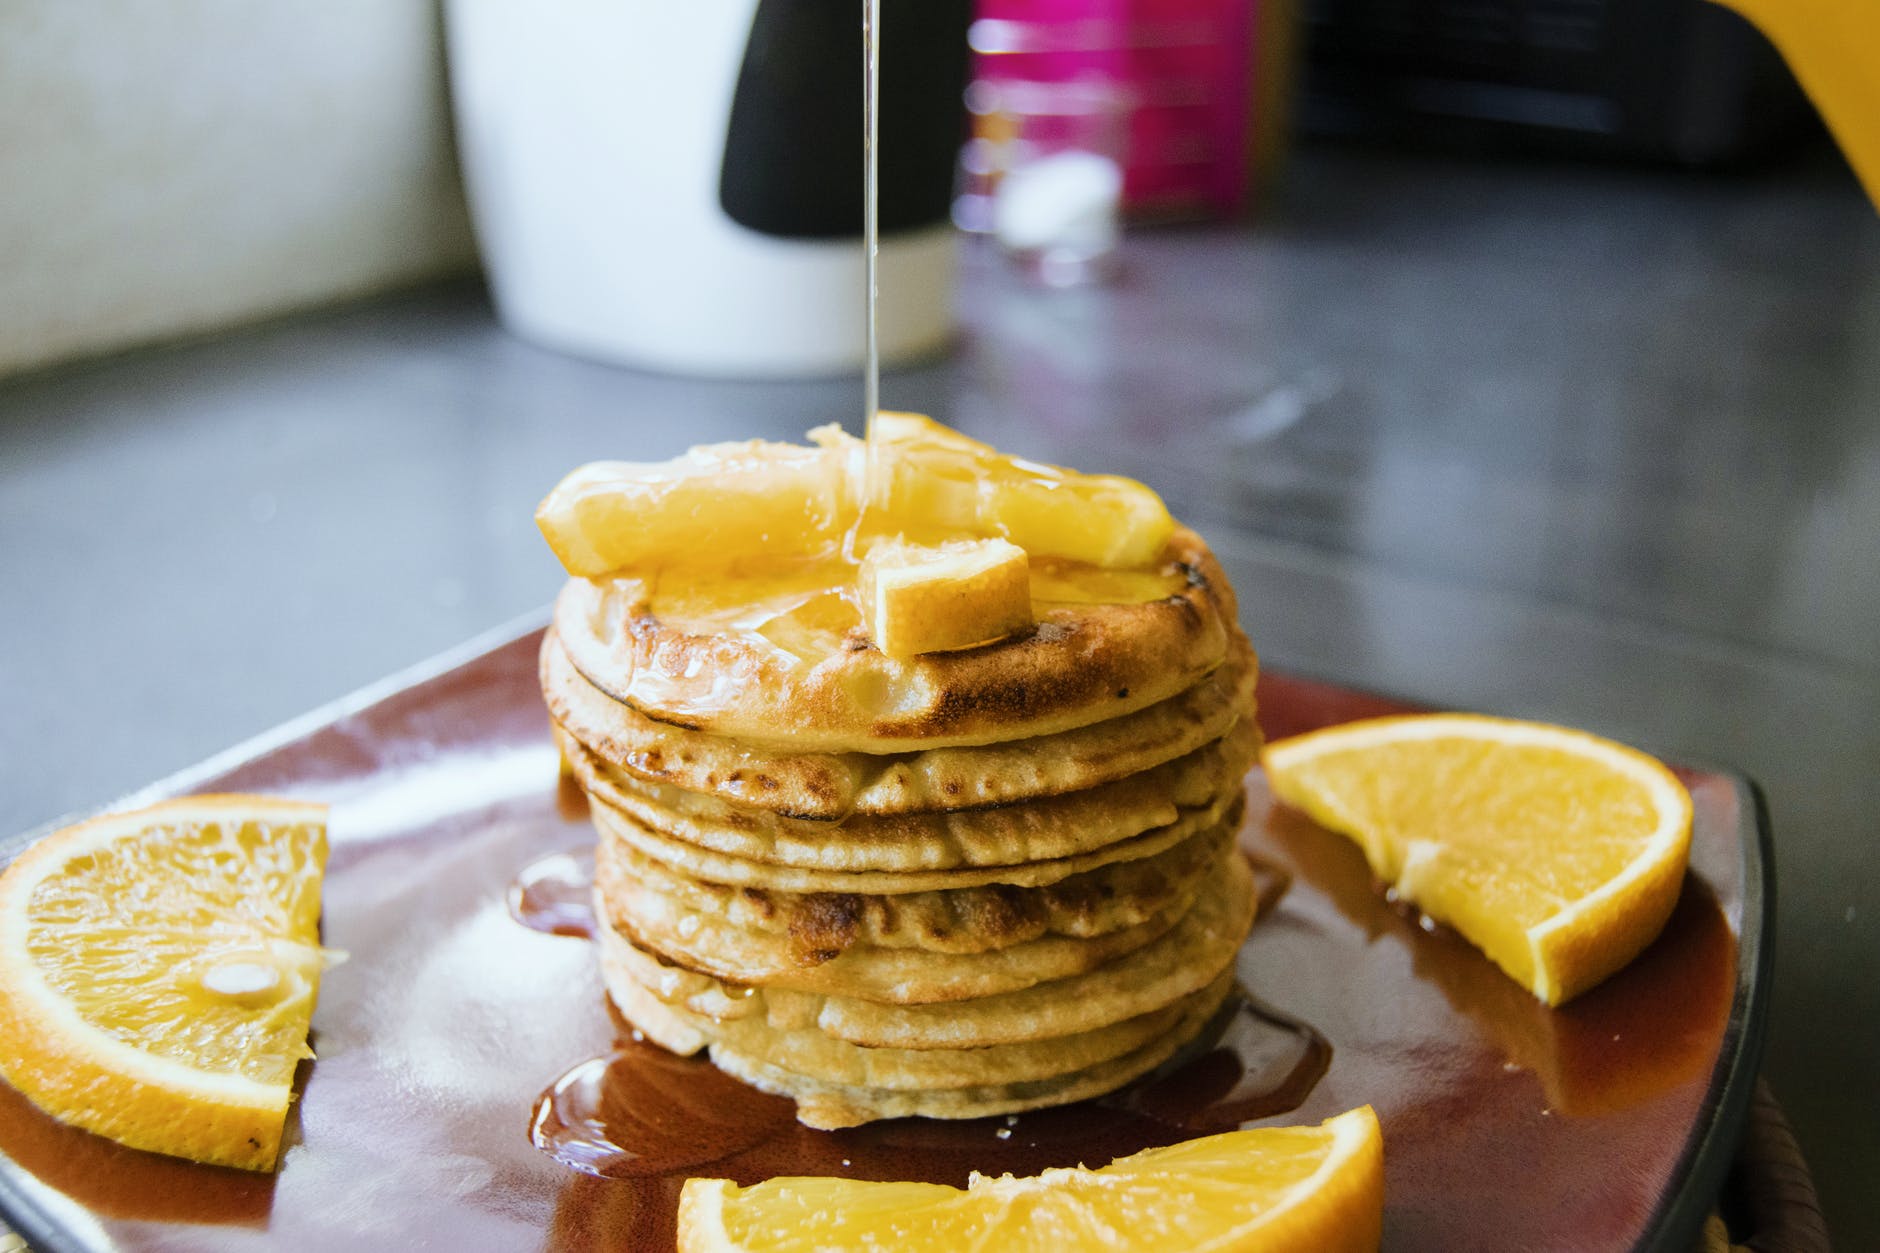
(1701, 1167)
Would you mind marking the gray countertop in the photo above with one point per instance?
(1599, 446)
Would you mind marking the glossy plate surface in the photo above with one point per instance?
(1606, 1125)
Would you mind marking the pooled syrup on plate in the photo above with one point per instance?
(640, 1112)
(1271, 881)
(555, 894)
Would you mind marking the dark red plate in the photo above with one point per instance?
(1605, 1125)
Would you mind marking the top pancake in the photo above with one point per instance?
(827, 786)
(1079, 664)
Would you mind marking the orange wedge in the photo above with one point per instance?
(1271, 1189)
(1559, 854)
(158, 970)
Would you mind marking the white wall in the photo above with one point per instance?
(172, 166)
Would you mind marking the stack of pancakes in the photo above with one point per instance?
(950, 885)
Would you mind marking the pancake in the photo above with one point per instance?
(1041, 830)
(819, 925)
(828, 1105)
(1079, 664)
(811, 1054)
(715, 867)
(829, 786)
(900, 976)
(1187, 958)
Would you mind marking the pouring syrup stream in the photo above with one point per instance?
(871, 218)
(871, 265)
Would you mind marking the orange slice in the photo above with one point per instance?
(1557, 853)
(722, 506)
(1272, 1189)
(158, 970)
(714, 504)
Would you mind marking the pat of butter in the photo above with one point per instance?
(953, 595)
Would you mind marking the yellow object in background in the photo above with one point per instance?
(1833, 46)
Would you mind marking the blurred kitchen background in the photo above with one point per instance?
(1520, 355)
